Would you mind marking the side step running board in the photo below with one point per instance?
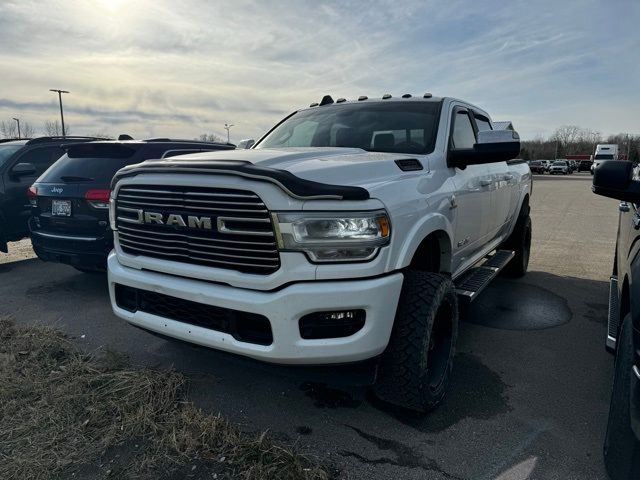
(469, 285)
(613, 322)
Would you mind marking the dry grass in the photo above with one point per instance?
(64, 414)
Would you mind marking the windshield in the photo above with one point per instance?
(397, 127)
(6, 151)
(560, 164)
(604, 156)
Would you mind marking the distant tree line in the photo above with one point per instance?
(50, 128)
(574, 140)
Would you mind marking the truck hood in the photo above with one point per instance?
(338, 166)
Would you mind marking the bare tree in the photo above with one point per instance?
(8, 129)
(53, 128)
(210, 137)
(27, 130)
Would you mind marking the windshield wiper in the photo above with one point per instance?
(73, 178)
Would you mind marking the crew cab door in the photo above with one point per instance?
(473, 216)
(503, 186)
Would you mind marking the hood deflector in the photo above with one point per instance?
(295, 187)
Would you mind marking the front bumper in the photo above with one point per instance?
(378, 297)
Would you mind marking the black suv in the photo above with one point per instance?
(21, 162)
(70, 215)
(620, 179)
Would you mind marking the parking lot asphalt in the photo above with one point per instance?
(531, 383)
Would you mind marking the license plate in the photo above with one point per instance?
(61, 208)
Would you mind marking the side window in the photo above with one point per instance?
(463, 135)
(483, 123)
(41, 157)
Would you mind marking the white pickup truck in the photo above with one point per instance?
(350, 231)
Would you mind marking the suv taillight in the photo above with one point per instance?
(32, 194)
(98, 198)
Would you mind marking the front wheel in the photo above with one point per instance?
(415, 369)
(621, 447)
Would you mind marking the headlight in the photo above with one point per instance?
(334, 236)
(112, 211)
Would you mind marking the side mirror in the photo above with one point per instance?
(613, 179)
(23, 169)
(246, 143)
(492, 146)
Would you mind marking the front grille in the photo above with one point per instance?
(243, 326)
(241, 235)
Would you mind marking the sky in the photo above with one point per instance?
(180, 68)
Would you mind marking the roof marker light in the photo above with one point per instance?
(406, 95)
(386, 96)
(362, 97)
(326, 100)
(340, 100)
(314, 104)
(427, 95)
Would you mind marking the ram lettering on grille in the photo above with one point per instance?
(223, 228)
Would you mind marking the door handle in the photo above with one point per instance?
(624, 207)
(485, 183)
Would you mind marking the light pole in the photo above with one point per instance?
(18, 120)
(227, 127)
(60, 92)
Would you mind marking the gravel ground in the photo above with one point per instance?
(18, 251)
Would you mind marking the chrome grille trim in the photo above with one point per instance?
(250, 246)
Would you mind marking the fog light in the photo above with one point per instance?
(337, 324)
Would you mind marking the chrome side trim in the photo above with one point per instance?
(65, 237)
(636, 370)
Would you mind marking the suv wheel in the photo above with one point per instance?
(621, 448)
(415, 369)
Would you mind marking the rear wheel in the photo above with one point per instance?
(520, 243)
(621, 448)
(415, 369)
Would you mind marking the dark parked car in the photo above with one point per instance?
(536, 166)
(21, 162)
(621, 180)
(585, 166)
(70, 215)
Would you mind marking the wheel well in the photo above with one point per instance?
(625, 300)
(525, 205)
(433, 254)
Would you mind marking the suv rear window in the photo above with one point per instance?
(90, 163)
(604, 156)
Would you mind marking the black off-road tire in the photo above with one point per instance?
(621, 448)
(415, 369)
(520, 243)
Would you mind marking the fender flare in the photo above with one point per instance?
(421, 230)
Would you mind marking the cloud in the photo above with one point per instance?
(166, 68)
